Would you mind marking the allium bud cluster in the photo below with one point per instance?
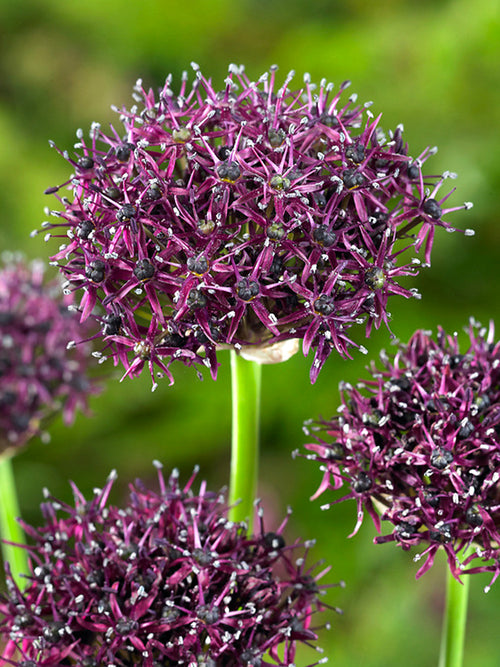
(419, 442)
(38, 374)
(166, 580)
(242, 218)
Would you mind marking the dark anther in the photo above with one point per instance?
(84, 229)
(413, 171)
(208, 614)
(455, 360)
(125, 626)
(112, 325)
(375, 278)
(405, 530)
(473, 516)
(324, 305)
(113, 193)
(276, 137)
(96, 271)
(198, 266)
(274, 541)
(324, 236)
(144, 270)
(154, 192)
(466, 430)
(123, 152)
(196, 299)
(224, 152)
(126, 213)
(229, 171)
(361, 483)
(279, 182)
(352, 179)
(247, 289)
(432, 208)
(275, 231)
(320, 199)
(441, 458)
(85, 162)
(442, 535)
(51, 632)
(355, 153)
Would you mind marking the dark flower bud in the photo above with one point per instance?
(432, 208)
(154, 192)
(126, 213)
(123, 152)
(275, 231)
(112, 325)
(274, 541)
(84, 229)
(208, 614)
(441, 458)
(144, 270)
(196, 299)
(361, 483)
(320, 199)
(96, 271)
(473, 516)
(228, 171)
(355, 153)
(224, 152)
(198, 266)
(276, 137)
(375, 278)
(352, 179)
(455, 360)
(85, 163)
(405, 530)
(442, 535)
(413, 171)
(113, 193)
(247, 289)
(125, 626)
(324, 305)
(324, 236)
(51, 632)
(329, 120)
(466, 430)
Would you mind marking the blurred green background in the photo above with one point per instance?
(433, 66)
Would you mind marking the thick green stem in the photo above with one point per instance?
(10, 529)
(453, 636)
(245, 382)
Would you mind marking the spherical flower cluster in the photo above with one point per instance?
(420, 442)
(38, 375)
(250, 218)
(166, 580)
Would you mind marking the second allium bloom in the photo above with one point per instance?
(166, 580)
(242, 218)
(420, 443)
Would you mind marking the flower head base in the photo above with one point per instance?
(243, 217)
(420, 442)
(167, 580)
(38, 373)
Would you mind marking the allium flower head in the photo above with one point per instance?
(420, 441)
(166, 580)
(243, 218)
(38, 374)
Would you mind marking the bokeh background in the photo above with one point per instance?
(433, 65)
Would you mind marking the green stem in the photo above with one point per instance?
(9, 527)
(453, 636)
(245, 383)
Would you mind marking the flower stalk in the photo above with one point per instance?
(454, 622)
(10, 530)
(245, 389)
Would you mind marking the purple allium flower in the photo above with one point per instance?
(38, 374)
(166, 580)
(242, 218)
(420, 442)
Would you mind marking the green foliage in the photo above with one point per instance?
(432, 66)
